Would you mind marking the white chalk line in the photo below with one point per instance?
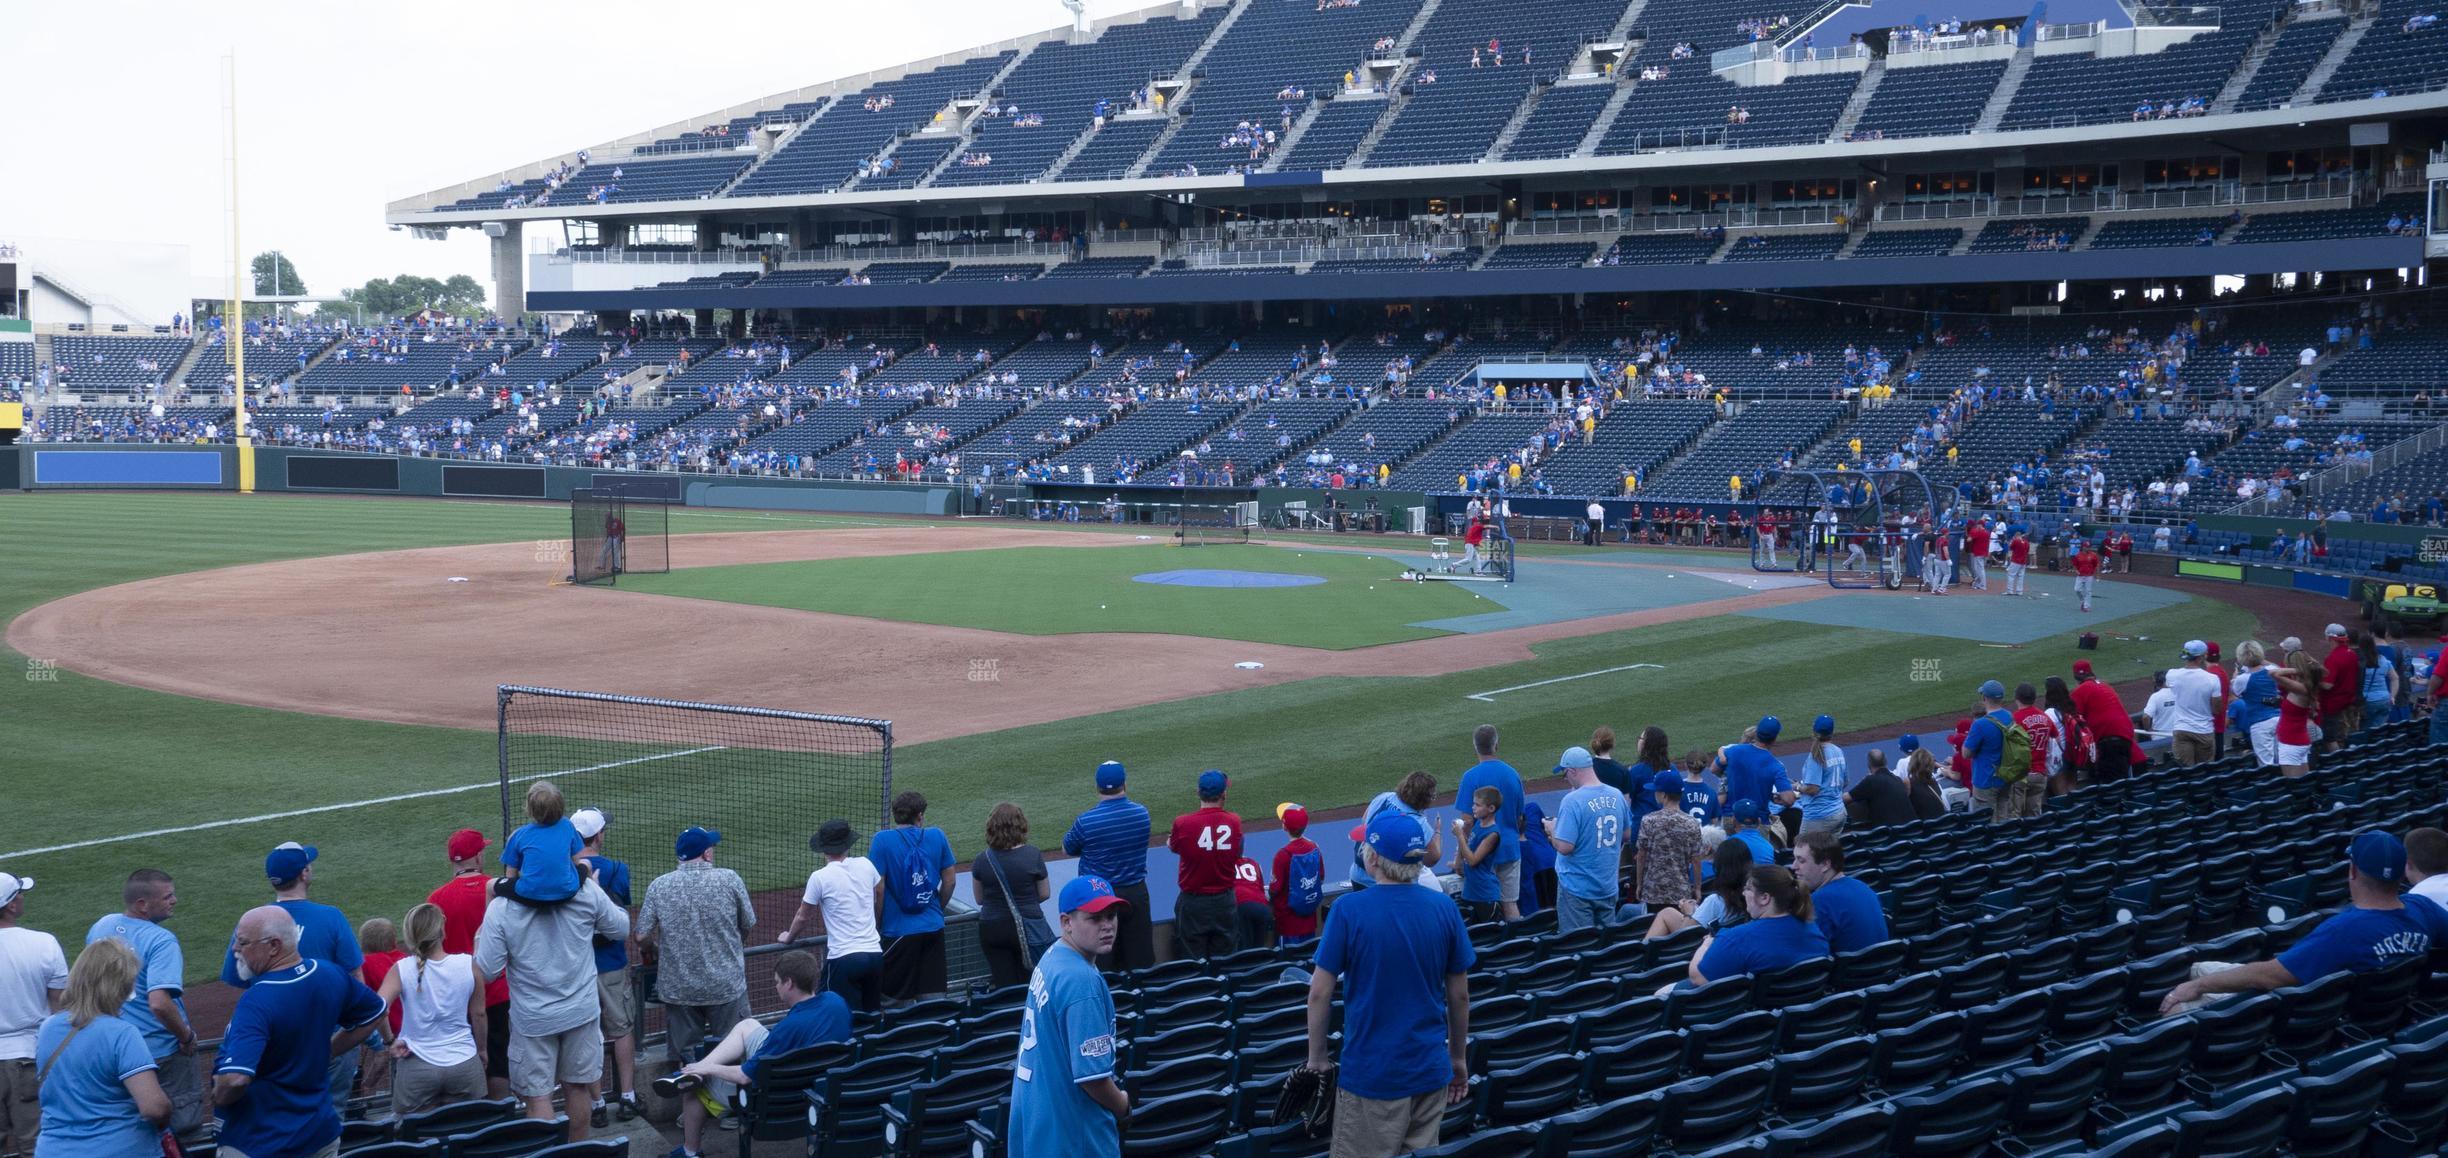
(1487, 697)
(430, 792)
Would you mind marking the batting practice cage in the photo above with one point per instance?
(763, 777)
(1197, 526)
(1846, 526)
(611, 533)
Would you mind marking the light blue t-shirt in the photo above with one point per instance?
(542, 857)
(1066, 1037)
(87, 1111)
(160, 966)
(1592, 820)
(1830, 777)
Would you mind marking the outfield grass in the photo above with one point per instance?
(88, 759)
(1066, 590)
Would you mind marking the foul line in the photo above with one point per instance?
(1486, 697)
(494, 784)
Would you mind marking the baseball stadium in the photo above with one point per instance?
(1259, 405)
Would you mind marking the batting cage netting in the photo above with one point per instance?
(611, 534)
(762, 777)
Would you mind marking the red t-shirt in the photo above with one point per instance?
(1208, 842)
(2018, 551)
(1249, 882)
(2218, 707)
(2043, 731)
(2102, 710)
(2086, 564)
(1977, 538)
(1476, 532)
(378, 965)
(462, 900)
(1279, 889)
(2345, 670)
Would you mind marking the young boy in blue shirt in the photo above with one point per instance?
(542, 862)
(1474, 859)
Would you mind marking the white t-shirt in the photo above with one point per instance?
(434, 1008)
(844, 891)
(30, 967)
(2434, 887)
(2196, 697)
(2160, 709)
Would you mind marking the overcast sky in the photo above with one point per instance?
(343, 108)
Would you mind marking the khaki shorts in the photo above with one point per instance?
(418, 1085)
(1368, 1128)
(182, 1081)
(1508, 887)
(20, 1106)
(572, 1057)
(619, 999)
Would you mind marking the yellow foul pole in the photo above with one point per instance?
(233, 320)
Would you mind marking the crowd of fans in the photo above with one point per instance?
(519, 979)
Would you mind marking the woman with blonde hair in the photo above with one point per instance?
(101, 1089)
(442, 1017)
(2300, 683)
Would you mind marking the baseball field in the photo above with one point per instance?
(193, 678)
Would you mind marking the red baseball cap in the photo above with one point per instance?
(1294, 817)
(466, 843)
(2082, 667)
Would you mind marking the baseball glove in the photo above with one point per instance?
(1308, 1098)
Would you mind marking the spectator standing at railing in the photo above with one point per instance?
(33, 982)
(612, 981)
(916, 865)
(548, 955)
(695, 918)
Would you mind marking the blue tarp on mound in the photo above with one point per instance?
(1204, 577)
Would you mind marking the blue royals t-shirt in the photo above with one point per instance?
(543, 857)
(922, 855)
(1393, 947)
(1762, 946)
(611, 955)
(1500, 776)
(2362, 940)
(1066, 1038)
(1848, 913)
(280, 1035)
(815, 1021)
(1479, 880)
(324, 934)
(1753, 777)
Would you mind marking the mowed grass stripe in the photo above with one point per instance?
(1066, 590)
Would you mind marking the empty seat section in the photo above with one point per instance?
(1908, 243)
(826, 153)
(1274, 46)
(1562, 118)
(1334, 133)
(2158, 232)
(1540, 255)
(1929, 101)
(2390, 59)
(1785, 247)
(1051, 98)
(2289, 63)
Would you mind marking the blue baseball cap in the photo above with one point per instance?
(2378, 855)
(1992, 690)
(694, 842)
(1824, 725)
(1574, 758)
(1668, 781)
(1089, 894)
(1109, 776)
(1908, 743)
(1768, 728)
(1212, 783)
(1396, 836)
(291, 858)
